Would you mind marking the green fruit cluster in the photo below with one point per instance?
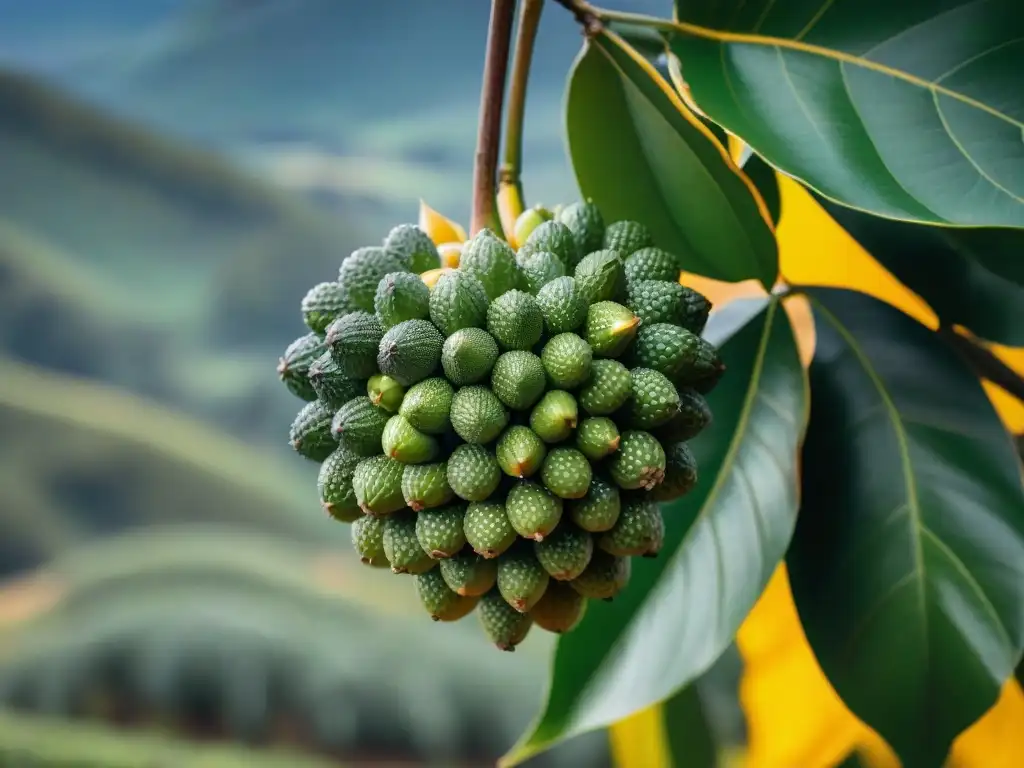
(504, 431)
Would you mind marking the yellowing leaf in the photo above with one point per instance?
(997, 739)
(639, 741)
(451, 254)
(439, 228)
(794, 717)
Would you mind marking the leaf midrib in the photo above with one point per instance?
(744, 38)
(919, 528)
(910, 481)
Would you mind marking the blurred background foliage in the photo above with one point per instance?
(175, 173)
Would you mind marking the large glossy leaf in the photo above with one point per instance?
(722, 542)
(941, 265)
(640, 154)
(912, 109)
(907, 566)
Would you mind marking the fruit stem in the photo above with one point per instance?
(526, 34)
(492, 95)
(592, 17)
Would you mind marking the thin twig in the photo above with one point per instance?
(492, 95)
(585, 14)
(526, 34)
(984, 362)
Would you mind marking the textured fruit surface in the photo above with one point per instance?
(695, 311)
(401, 296)
(322, 304)
(439, 531)
(477, 414)
(368, 540)
(597, 437)
(410, 351)
(562, 305)
(681, 355)
(413, 248)
(310, 432)
(639, 462)
(426, 485)
(566, 552)
(560, 609)
(627, 237)
(401, 440)
(599, 510)
(566, 473)
(334, 484)
(694, 415)
(439, 600)
(331, 384)
(473, 472)
(680, 473)
(293, 366)
(385, 392)
(360, 273)
(359, 426)
(553, 237)
(501, 419)
(640, 530)
(467, 573)
(554, 418)
(654, 400)
(458, 300)
(521, 578)
(428, 404)
(353, 340)
(585, 222)
(601, 276)
(610, 328)
(540, 268)
(488, 529)
(656, 301)
(652, 264)
(504, 625)
(608, 388)
(520, 452)
(566, 359)
(605, 577)
(492, 262)
(515, 321)
(518, 379)
(532, 510)
(468, 356)
(402, 548)
(377, 483)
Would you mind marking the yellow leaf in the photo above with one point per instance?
(431, 275)
(639, 741)
(997, 739)
(451, 254)
(794, 717)
(439, 228)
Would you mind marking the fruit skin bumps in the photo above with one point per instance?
(503, 428)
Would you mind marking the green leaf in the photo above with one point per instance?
(691, 742)
(910, 109)
(941, 265)
(907, 565)
(640, 154)
(763, 177)
(722, 543)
